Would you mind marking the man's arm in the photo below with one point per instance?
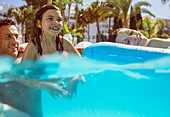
(53, 88)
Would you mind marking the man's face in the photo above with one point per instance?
(9, 40)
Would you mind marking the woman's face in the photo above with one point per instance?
(51, 23)
(131, 37)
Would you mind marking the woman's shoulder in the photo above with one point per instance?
(68, 46)
(65, 40)
(30, 51)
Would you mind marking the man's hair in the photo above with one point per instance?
(6, 22)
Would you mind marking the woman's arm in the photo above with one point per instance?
(69, 47)
(30, 52)
(159, 43)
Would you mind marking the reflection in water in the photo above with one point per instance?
(54, 67)
(111, 89)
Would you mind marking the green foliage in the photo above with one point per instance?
(74, 32)
(153, 27)
(24, 15)
(132, 19)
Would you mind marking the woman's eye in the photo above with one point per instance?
(59, 20)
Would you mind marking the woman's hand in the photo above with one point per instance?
(73, 84)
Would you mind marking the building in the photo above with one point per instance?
(3, 9)
(104, 26)
(167, 26)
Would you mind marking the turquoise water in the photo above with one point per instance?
(112, 89)
(118, 92)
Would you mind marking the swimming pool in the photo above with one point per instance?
(125, 92)
(121, 81)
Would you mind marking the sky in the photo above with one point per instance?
(157, 8)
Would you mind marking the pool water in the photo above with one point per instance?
(116, 87)
(105, 95)
(115, 94)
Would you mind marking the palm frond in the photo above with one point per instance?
(139, 4)
(143, 10)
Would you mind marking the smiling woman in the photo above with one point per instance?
(128, 36)
(48, 24)
(133, 37)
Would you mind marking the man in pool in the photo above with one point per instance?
(133, 37)
(22, 98)
(11, 93)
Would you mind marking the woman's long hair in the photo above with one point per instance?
(39, 16)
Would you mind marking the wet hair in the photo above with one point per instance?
(6, 22)
(39, 16)
(113, 35)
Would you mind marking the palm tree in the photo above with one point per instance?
(77, 12)
(124, 6)
(30, 15)
(139, 10)
(74, 32)
(38, 3)
(132, 19)
(94, 17)
(135, 15)
(108, 11)
(18, 13)
(84, 19)
(152, 27)
(69, 9)
(77, 9)
(24, 16)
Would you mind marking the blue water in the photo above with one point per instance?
(114, 93)
(112, 89)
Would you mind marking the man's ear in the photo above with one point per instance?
(38, 24)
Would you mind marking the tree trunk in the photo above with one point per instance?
(139, 18)
(98, 30)
(22, 32)
(117, 23)
(88, 32)
(125, 22)
(109, 25)
(26, 34)
(69, 7)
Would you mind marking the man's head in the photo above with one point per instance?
(128, 36)
(9, 38)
